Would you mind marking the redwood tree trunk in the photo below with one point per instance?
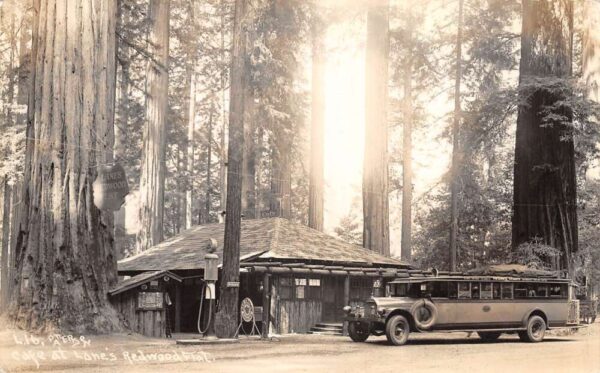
(190, 150)
(152, 183)
(456, 157)
(226, 320)
(407, 182)
(315, 187)
(4, 256)
(375, 169)
(544, 185)
(223, 134)
(249, 164)
(207, 201)
(65, 255)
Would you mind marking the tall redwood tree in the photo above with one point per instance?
(65, 251)
(545, 187)
(376, 235)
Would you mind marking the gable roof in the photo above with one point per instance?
(140, 279)
(267, 239)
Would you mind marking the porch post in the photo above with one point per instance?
(178, 308)
(266, 301)
(346, 300)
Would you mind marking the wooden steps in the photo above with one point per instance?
(327, 329)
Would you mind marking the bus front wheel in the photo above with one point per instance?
(397, 329)
(536, 329)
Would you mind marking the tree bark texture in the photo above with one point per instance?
(249, 165)
(15, 218)
(375, 168)
(226, 320)
(4, 255)
(591, 48)
(407, 174)
(281, 179)
(456, 153)
(190, 150)
(208, 196)
(152, 182)
(223, 134)
(316, 183)
(544, 172)
(123, 107)
(64, 248)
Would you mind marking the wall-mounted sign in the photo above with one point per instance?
(150, 300)
(110, 187)
(233, 284)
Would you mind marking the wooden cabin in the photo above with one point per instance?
(298, 275)
(143, 299)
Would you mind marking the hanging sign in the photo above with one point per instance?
(110, 187)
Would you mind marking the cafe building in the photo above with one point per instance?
(297, 277)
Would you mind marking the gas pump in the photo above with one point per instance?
(211, 263)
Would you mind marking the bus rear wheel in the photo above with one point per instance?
(489, 336)
(536, 329)
(357, 332)
(397, 330)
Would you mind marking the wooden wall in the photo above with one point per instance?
(150, 323)
(297, 316)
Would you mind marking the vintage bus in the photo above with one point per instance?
(488, 305)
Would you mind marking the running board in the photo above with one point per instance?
(476, 330)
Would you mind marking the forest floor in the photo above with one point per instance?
(433, 352)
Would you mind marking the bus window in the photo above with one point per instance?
(452, 290)
(397, 290)
(486, 290)
(496, 291)
(520, 290)
(507, 291)
(555, 291)
(475, 290)
(541, 291)
(438, 289)
(464, 290)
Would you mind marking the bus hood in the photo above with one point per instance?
(392, 302)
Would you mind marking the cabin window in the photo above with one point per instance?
(360, 288)
(486, 290)
(507, 291)
(464, 290)
(286, 288)
(313, 291)
(300, 288)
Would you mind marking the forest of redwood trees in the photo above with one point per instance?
(218, 111)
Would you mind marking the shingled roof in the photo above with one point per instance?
(271, 239)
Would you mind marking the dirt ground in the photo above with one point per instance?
(432, 352)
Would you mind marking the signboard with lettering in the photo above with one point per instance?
(110, 187)
(150, 300)
(233, 284)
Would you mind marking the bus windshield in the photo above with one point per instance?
(412, 290)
